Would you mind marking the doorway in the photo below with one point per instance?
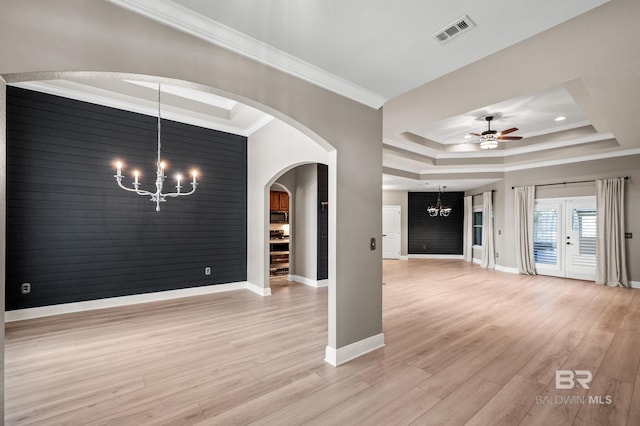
(564, 237)
(391, 232)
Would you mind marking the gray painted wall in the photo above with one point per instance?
(399, 198)
(306, 221)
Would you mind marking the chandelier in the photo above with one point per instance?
(158, 196)
(439, 209)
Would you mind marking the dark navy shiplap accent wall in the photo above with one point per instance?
(435, 235)
(75, 236)
(323, 223)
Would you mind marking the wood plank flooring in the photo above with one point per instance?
(464, 345)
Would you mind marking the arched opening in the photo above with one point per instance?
(298, 237)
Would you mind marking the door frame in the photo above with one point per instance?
(561, 269)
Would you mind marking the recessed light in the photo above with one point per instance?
(560, 118)
(467, 137)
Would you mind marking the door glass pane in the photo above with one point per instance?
(584, 221)
(477, 228)
(545, 236)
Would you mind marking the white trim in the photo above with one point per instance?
(477, 260)
(135, 299)
(190, 22)
(426, 173)
(436, 256)
(506, 269)
(142, 107)
(634, 284)
(309, 281)
(344, 354)
(260, 291)
(403, 258)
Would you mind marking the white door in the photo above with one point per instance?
(580, 239)
(390, 232)
(564, 237)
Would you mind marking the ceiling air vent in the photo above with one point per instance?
(454, 29)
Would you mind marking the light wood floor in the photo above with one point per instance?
(463, 345)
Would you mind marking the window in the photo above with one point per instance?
(477, 228)
(584, 221)
(545, 235)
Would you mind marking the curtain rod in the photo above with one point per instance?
(493, 190)
(564, 183)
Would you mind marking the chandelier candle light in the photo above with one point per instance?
(439, 209)
(158, 196)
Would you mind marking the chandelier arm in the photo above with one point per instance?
(137, 191)
(143, 192)
(178, 194)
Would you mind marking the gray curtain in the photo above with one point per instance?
(524, 197)
(611, 258)
(488, 252)
(468, 228)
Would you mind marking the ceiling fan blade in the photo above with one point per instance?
(509, 138)
(511, 130)
(475, 134)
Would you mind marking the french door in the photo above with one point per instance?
(564, 237)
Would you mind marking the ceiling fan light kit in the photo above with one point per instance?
(489, 138)
(489, 144)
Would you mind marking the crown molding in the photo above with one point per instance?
(503, 168)
(182, 116)
(176, 16)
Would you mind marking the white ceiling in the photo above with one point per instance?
(383, 53)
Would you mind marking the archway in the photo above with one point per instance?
(307, 228)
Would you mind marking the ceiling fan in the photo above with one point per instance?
(489, 138)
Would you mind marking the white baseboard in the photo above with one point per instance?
(112, 302)
(507, 269)
(344, 354)
(476, 260)
(634, 284)
(261, 291)
(309, 281)
(404, 258)
(436, 256)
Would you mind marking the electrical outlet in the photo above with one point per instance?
(497, 255)
(628, 235)
(25, 288)
(207, 270)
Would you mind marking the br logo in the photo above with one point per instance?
(566, 379)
